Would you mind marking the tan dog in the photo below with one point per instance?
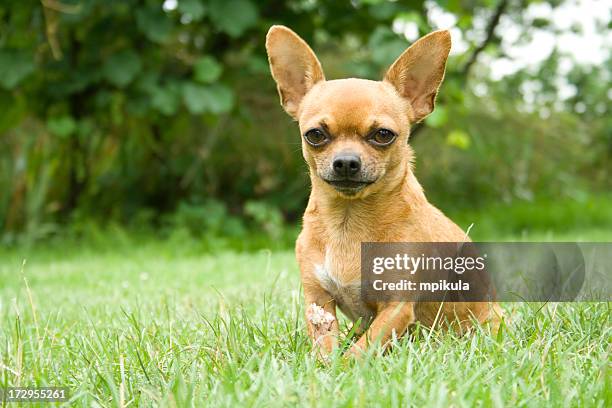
(355, 135)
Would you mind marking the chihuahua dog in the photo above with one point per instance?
(355, 142)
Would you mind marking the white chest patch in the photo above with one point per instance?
(346, 294)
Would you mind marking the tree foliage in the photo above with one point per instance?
(119, 109)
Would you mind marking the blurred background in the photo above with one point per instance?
(160, 118)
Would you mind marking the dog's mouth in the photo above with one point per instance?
(348, 187)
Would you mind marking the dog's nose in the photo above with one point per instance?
(347, 165)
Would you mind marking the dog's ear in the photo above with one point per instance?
(294, 66)
(418, 72)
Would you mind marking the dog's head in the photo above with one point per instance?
(355, 131)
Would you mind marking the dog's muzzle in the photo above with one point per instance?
(348, 186)
(346, 174)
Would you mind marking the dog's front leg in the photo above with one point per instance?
(392, 318)
(321, 319)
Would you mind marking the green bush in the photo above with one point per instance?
(134, 114)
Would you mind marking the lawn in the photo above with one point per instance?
(158, 323)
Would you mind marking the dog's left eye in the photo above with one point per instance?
(382, 137)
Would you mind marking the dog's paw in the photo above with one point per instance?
(319, 317)
(321, 332)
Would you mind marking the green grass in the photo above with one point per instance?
(160, 323)
(587, 219)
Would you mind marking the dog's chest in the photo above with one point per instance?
(340, 277)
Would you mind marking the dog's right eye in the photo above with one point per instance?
(316, 137)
